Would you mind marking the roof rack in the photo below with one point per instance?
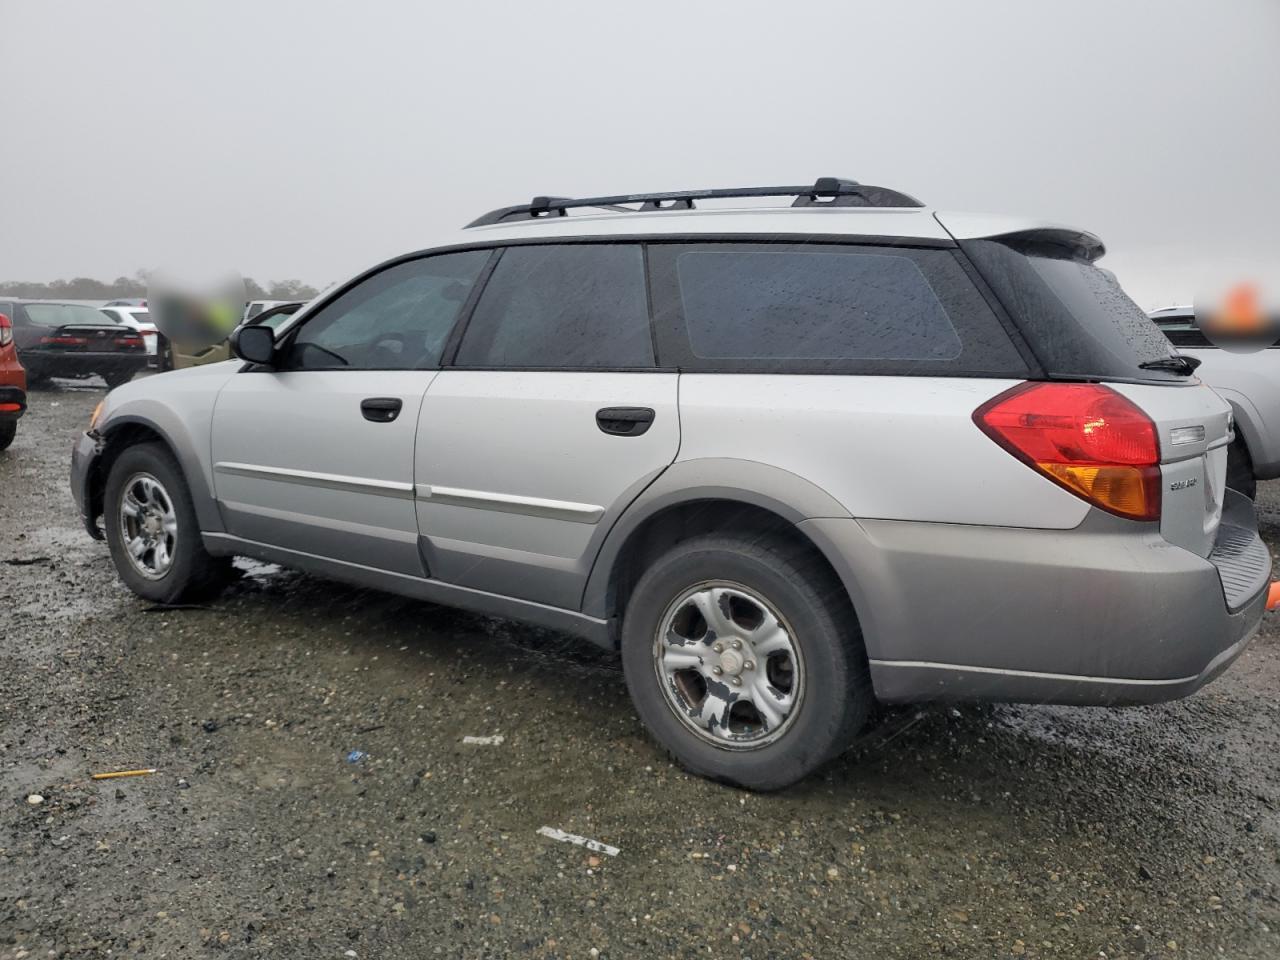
(824, 192)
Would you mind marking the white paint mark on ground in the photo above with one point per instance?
(494, 741)
(593, 845)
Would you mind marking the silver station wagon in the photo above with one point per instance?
(789, 450)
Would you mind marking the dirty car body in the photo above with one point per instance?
(790, 460)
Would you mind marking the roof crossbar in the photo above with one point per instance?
(825, 191)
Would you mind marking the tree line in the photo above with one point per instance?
(86, 288)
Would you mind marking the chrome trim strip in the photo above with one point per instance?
(310, 478)
(1031, 673)
(510, 503)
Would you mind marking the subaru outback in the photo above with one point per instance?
(787, 460)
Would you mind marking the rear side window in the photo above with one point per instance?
(570, 306)
(1077, 318)
(826, 308)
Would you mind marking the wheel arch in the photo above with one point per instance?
(705, 496)
(128, 430)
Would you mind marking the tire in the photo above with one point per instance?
(164, 354)
(8, 430)
(1240, 470)
(190, 572)
(118, 378)
(748, 580)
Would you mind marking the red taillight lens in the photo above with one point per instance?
(1084, 437)
(129, 342)
(65, 341)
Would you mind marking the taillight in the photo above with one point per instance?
(129, 341)
(6, 331)
(1084, 437)
(65, 341)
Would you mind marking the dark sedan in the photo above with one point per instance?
(74, 340)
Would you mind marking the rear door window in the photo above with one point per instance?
(567, 306)
(825, 308)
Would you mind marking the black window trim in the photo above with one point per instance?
(663, 352)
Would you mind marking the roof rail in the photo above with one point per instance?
(825, 191)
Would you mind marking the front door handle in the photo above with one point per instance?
(381, 409)
(624, 421)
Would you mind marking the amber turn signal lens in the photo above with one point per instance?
(1129, 491)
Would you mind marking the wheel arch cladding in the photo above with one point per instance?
(730, 496)
(127, 431)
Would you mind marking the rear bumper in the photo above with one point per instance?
(1108, 613)
(10, 397)
(52, 363)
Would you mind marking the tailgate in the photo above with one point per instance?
(1194, 427)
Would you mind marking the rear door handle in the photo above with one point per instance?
(381, 409)
(624, 421)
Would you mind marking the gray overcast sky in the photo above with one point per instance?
(310, 139)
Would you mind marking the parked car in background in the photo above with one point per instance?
(73, 340)
(13, 383)
(139, 319)
(1250, 382)
(176, 357)
(127, 302)
(788, 460)
(255, 307)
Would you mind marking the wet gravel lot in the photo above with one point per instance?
(967, 832)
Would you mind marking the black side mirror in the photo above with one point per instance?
(253, 343)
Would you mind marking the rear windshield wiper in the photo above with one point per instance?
(1176, 364)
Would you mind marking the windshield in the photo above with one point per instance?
(59, 314)
(1077, 318)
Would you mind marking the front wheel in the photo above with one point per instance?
(152, 530)
(745, 661)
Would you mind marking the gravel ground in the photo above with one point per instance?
(972, 832)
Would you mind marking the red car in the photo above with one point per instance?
(13, 384)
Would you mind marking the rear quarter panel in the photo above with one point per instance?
(886, 448)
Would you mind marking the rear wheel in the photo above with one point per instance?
(8, 430)
(152, 530)
(1240, 470)
(745, 661)
(116, 378)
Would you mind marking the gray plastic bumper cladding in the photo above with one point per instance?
(1107, 613)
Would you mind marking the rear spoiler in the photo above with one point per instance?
(970, 226)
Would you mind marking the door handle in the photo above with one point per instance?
(381, 409)
(624, 421)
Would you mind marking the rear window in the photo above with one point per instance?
(825, 308)
(59, 314)
(1078, 319)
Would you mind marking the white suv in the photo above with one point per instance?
(787, 460)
